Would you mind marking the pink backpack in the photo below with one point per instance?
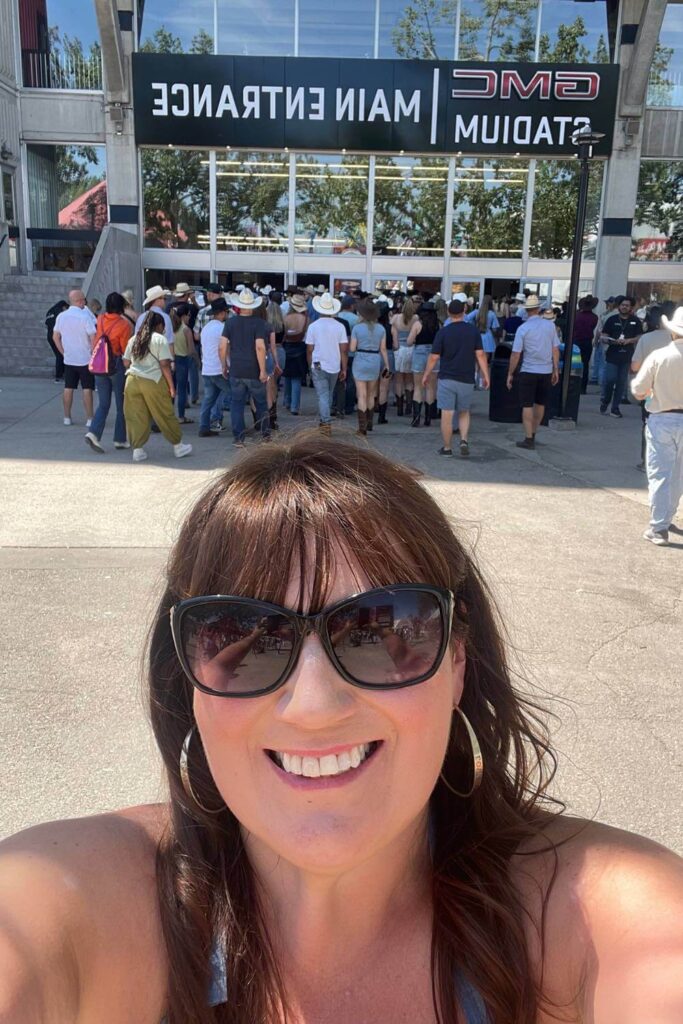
(102, 360)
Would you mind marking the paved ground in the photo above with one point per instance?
(594, 613)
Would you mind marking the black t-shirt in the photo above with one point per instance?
(242, 332)
(614, 326)
(456, 343)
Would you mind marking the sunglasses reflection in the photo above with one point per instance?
(378, 645)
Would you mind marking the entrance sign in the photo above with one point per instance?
(377, 106)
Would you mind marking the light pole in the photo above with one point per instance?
(584, 138)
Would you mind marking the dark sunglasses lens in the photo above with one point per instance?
(388, 639)
(235, 648)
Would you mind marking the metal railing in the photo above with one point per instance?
(58, 70)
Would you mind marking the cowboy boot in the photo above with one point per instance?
(383, 413)
(417, 412)
(375, 407)
(273, 417)
(325, 429)
(399, 405)
(368, 419)
(362, 427)
(409, 401)
(436, 412)
(428, 414)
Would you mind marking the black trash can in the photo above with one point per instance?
(504, 405)
(573, 396)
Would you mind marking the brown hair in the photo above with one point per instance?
(485, 306)
(408, 311)
(288, 497)
(368, 310)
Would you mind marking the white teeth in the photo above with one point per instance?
(310, 767)
(330, 764)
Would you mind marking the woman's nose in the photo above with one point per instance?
(315, 695)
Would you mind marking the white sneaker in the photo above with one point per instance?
(67, 421)
(139, 455)
(121, 444)
(88, 424)
(94, 443)
(181, 450)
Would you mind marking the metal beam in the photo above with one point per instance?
(113, 59)
(635, 85)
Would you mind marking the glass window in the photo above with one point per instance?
(489, 198)
(498, 31)
(556, 191)
(573, 32)
(174, 26)
(424, 30)
(326, 30)
(175, 185)
(263, 28)
(67, 187)
(657, 291)
(658, 221)
(389, 284)
(331, 204)
(666, 75)
(7, 197)
(60, 45)
(252, 201)
(410, 206)
(470, 288)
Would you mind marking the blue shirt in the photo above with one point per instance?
(535, 339)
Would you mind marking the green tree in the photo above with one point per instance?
(176, 196)
(202, 42)
(333, 200)
(660, 202)
(488, 209)
(568, 48)
(414, 32)
(70, 66)
(74, 172)
(556, 189)
(252, 199)
(162, 41)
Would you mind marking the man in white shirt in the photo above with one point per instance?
(214, 366)
(659, 383)
(74, 335)
(327, 349)
(537, 346)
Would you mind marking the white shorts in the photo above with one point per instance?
(403, 359)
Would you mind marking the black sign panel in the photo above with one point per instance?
(377, 106)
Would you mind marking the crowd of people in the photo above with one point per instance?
(366, 353)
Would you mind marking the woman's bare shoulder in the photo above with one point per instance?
(79, 902)
(612, 920)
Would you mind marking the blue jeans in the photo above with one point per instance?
(324, 384)
(293, 393)
(598, 364)
(214, 387)
(194, 380)
(221, 405)
(664, 433)
(104, 387)
(182, 373)
(242, 391)
(614, 382)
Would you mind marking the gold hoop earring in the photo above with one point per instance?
(477, 760)
(185, 774)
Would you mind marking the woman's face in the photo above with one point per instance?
(330, 824)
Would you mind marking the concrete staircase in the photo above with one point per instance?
(24, 301)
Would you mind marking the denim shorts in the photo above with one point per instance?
(454, 395)
(420, 355)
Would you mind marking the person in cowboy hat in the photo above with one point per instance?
(537, 346)
(183, 291)
(327, 346)
(155, 298)
(659, 382)
(247, 337)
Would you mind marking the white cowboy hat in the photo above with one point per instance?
(386, 300)
(675, 325)
(267, 289)
(309, 289)
(548, 314)
(182, 289)
(245, 299)
(460, 296)
(152, 294)
(520, 297)
(298, 304)
(321, 289)
(533, 302)
(326, 305)
(240, 288)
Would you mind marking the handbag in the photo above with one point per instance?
(102, 361)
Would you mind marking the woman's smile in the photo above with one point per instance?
(324, 769)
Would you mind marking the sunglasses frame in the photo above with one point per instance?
(316, 623)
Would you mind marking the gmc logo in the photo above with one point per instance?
(559, 85)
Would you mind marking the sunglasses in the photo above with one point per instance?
(383, 639)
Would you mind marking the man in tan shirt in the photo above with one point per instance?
(659, 383)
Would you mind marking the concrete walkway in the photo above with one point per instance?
(593, 612)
